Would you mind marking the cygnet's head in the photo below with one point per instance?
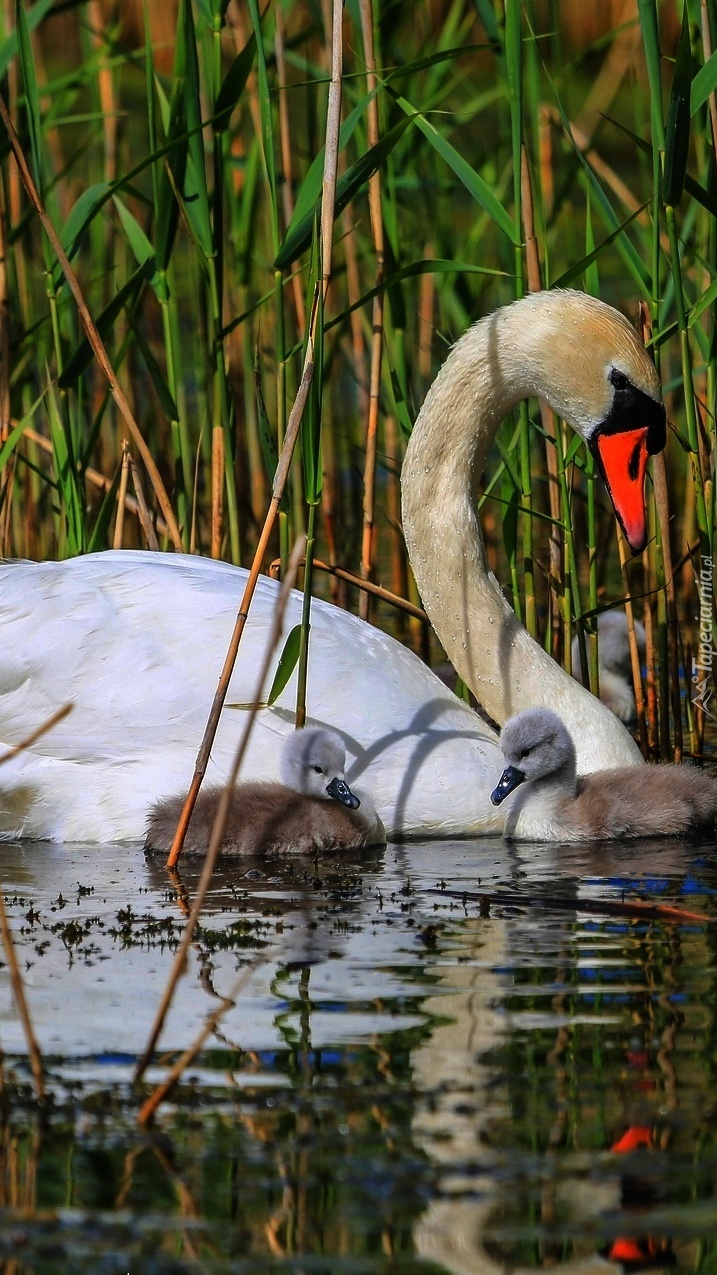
(535, 744)
(314, 762)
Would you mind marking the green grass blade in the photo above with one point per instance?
(677, 131)
(288, 661)
(473, 182)
(233, 85)
(299, 234)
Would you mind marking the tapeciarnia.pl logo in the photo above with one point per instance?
(702, 679)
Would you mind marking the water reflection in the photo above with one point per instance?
(408, 1077)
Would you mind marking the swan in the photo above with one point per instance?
(313, 808)
(614, 663)
(135, 640)
(554, 804)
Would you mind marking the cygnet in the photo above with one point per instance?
(312, 809)
(554, 804)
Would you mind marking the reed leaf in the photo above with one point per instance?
(677, 131)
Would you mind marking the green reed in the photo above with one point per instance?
(508, 158)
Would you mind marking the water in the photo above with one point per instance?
(411, 1079)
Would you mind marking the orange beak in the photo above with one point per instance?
(623, 461)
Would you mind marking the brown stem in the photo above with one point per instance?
(282, 469)
(34, 735)
(218, 829)
(374, 199)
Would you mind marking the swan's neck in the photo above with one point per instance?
(500, 361)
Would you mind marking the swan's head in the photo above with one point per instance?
(592, 368)
(535, 745)
(314, 763)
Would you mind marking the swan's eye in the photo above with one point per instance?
(619, 379)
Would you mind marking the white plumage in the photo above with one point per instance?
(136, 641)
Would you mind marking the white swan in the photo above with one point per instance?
(313, 808)
(136, 640)
(554, 803)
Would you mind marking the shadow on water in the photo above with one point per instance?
(410, 1079)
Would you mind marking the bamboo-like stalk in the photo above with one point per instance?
(36, 734)
(328, 202)
(280, 477)
(634, 655)
(88, 324)
(659, 475)
(374, 200)
(547, 416)
(122, 497)
(217, 831)
(376, 590)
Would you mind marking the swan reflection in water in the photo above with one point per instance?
(507, 1064)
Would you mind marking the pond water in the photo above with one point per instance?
(441, 1058)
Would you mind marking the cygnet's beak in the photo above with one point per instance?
(340, 791)
(509, 780)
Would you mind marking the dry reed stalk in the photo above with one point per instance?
(18, 995)
(147, 1110)
(547, 416)
(36, 734)
(282, 470)
(121, 497)
(217, 490)
(376, 590)
(426, 302)
(145, 518)
(331, 153)
(97, 479)
(659, 478)
(636, 908)
(374, 202)
(634, 653)
(545, 158)
(212, 853)
(90, 329)
(651, 680)
(394, 452)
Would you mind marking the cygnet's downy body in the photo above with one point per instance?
(553, 804)
(313, 809)
(614, 663)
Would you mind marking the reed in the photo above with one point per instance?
(484, 149)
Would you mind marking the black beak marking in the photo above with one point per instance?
(340, 791)
(509, 780)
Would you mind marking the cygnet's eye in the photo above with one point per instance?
(318, 770)
(525, 752)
